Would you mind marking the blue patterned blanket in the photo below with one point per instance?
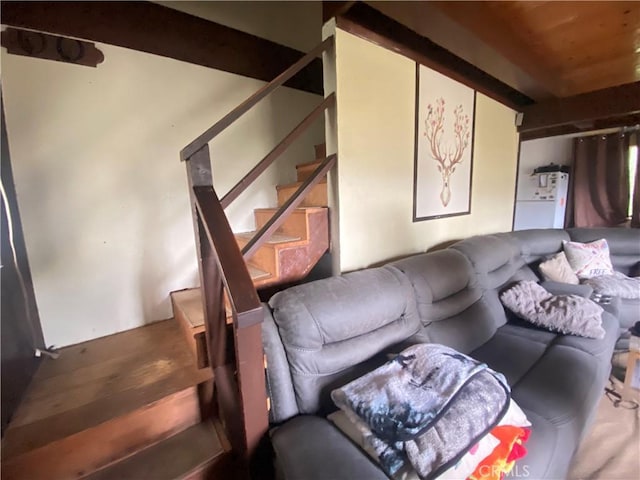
(425, 408)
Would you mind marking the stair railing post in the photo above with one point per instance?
(212, 288)
(234, 351)
(199, 175)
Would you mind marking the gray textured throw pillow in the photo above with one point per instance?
(568, 314)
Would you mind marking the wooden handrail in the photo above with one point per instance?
(242, 294)
(241, 109)
(256, 171)
(283, 212)
(239, 378)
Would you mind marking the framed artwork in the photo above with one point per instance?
(445, 120)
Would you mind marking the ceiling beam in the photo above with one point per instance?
(334, 9)
(588, 127)
(481, 19)
(368, 23)
(609, 106)
(426, 19)
(152, 28)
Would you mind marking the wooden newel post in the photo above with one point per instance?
(238, 371)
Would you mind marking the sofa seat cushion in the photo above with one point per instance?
(560, 403)
(309, 448)
(513, 350)
(559, 394)
(517, 348)
(603, 349)
(549, 451)
(554, 389)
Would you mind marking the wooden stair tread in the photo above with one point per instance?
(257, 274)
(296, 185)
(299, 210)
(173, 458)
(276, 238)
(317, 196)
(88, 387)
(190, 302)
(309, 164)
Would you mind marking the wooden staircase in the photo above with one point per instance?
(135, 405)
(129, 406)
(295, 248)
(231, 306)
(287, 256)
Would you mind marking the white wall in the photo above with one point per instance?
(102, 193)
(375, 142)
(543, 151)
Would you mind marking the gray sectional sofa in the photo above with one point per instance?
(321, 335)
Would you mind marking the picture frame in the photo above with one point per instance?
(444, 136)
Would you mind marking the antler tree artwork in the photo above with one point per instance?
(447, 156)
(443, 155)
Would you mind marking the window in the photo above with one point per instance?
(633, 168)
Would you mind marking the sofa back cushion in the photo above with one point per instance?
(538, 244)
(495, 258)
(497, 263)
(332, 329)
(450, 303)
(624, 244)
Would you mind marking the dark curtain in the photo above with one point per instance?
(600, 187)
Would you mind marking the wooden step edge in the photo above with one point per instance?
(275, 239)
(188, 307)
(193, 324)
(296, 185)
(295, 211)
(257, 273)
(308, 164)
(275, 247)
(92, 449)
(177, 457)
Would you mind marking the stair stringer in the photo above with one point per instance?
(296, 263)
(292, 261)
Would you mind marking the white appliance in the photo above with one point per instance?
(542, 201)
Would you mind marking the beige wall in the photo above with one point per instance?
(102, 193)
(375, 138)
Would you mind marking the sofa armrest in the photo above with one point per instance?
(309, 448)
(558, 288)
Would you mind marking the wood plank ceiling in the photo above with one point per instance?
(547, 49)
